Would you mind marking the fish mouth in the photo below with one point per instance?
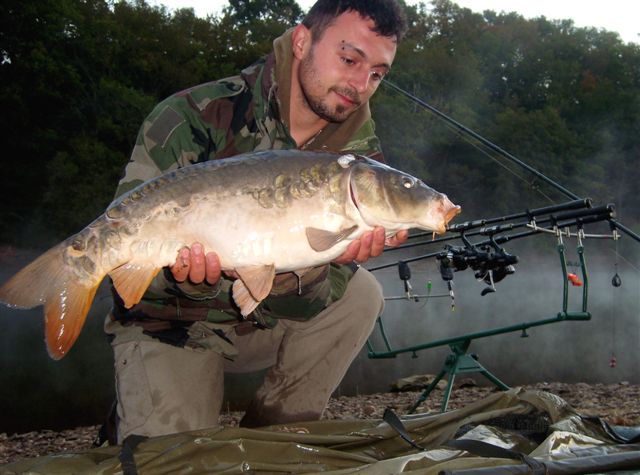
(449, 214)
(452, 213)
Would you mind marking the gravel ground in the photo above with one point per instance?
(616, 403)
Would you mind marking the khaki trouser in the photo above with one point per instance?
(162, 389)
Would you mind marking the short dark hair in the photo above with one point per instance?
(387, 15)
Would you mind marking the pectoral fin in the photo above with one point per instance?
(321, 240)
(132, 279)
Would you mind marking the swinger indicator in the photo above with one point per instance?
(575, 280)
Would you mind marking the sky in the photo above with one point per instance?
(621, 16)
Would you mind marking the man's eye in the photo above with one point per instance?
(348, 61)
(376, 76)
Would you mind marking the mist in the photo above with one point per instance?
(568, 351)
(40, 393)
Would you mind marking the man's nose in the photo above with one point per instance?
(360, 80)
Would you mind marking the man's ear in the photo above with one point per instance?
(300, 41)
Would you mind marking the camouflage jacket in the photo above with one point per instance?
(217, 120)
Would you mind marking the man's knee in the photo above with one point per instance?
(367, 292)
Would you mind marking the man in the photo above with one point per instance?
(172, 349)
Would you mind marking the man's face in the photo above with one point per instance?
(344, 67)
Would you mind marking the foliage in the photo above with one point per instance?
(563, 99)
(78, 77)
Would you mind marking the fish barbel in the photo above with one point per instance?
(262, 213)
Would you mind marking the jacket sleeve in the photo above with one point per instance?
(188, 127)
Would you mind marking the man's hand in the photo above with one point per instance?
(370, 244)
(194, 264)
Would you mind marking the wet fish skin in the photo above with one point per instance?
(262, 212)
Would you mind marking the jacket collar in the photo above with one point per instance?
(277, 79)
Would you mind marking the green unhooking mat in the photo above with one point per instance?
(511, 432)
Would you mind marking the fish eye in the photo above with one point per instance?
(408, 182)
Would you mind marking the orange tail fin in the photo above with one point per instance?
(50, 282)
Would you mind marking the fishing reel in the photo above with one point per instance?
(489, 262)
(497, 264)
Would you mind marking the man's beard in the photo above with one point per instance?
(308, 76)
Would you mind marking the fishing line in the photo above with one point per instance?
(486, 152)
(467, 131)
(503, 153)
(615, 282)
(626, 261)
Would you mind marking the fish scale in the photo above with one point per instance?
(263, 213)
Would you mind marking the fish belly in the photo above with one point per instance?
(245, 234)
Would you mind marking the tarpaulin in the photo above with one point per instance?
(516, 431)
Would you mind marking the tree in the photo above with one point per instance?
(79, 76)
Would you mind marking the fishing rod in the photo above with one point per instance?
(462, 128)
(483, 223)
(557, 218)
